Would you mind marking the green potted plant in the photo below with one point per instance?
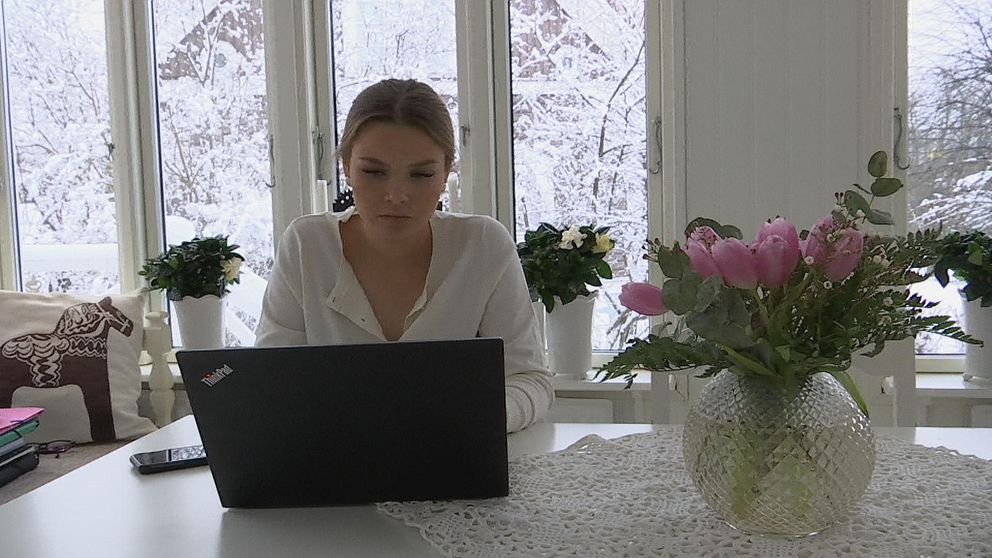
(560, 264)
(968, 256)
(195, 275)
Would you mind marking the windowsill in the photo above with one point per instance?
(949, 385)
(928, 384)
(641, 383)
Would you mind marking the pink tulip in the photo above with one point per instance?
(783, 228)
(775, 261)
(698, 247)
(837, 258)
(736, 263)
(643, 298)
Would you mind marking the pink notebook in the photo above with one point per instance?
(11, 417)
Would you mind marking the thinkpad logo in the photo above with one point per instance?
(217, 375)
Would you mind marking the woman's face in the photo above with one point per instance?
(397, 173)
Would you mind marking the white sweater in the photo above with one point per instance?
(475, 287)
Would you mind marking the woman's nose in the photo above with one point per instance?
(396, 191)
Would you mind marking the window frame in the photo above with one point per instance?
(299, 84)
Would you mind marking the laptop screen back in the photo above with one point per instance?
(347, 424)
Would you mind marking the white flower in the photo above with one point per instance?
(603, 244)
(232, 269)
(571, 237)
(809, 260)
(828, 285)
(887, 301)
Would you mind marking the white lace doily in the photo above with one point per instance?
(632, 497)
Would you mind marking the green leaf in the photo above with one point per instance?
(708, 292)
(749, 364)
(603, 269)
(725, 231)
(673, 262)
(848, 383)
(878, 164)
(855, 202)
(680, 294)
(879, 217)
(883, 187)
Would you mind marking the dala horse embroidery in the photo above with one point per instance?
(75, 352)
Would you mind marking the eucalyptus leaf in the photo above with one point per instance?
(878, 164)
(674, 262)
(855, 202)
(680, 294)
(879, 217)
(883, 187)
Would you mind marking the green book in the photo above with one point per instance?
(18, 432)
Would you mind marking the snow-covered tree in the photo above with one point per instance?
(60, 126)
(951, 134)
(579, 133)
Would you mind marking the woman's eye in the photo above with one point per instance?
(423, 174)
(373, 172)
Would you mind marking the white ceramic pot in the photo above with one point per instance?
(569, 333)
(201, 321)
(539, 315)
(978, 360)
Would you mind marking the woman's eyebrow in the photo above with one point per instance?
(423, 163)
(372, 160)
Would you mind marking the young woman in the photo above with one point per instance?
(392, 267)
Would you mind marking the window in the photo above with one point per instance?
(191, 113)
(375, 40)
(578, 104)
(212, 136)
(950, 132)
(59, 117)
(196, 132)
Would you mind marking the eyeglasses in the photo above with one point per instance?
(56, 447)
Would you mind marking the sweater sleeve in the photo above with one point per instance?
(282, 319)
(509, 314)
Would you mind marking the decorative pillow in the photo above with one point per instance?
(77, 357)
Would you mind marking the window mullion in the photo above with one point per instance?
(290, 91)
(326, 125)
(137, 195)
(9, 257)
(499, 117)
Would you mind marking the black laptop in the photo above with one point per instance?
(348, 424)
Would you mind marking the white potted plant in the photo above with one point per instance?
(559, 265)
(969, 257)
(195, 275)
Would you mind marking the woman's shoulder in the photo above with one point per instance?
(316, 224)
(474, 227)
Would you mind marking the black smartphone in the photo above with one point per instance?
(169, 459)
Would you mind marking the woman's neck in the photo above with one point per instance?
(386, 247)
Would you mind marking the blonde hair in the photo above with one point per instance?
(400, 101)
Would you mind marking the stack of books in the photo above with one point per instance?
(16, 455)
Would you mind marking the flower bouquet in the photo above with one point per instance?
(779, 442)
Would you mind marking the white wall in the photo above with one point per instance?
(784, 102)
(780, 104)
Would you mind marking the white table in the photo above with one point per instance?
(106, 509)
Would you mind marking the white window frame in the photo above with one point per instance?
(302, 125)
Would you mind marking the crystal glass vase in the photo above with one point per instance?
(778, 461)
